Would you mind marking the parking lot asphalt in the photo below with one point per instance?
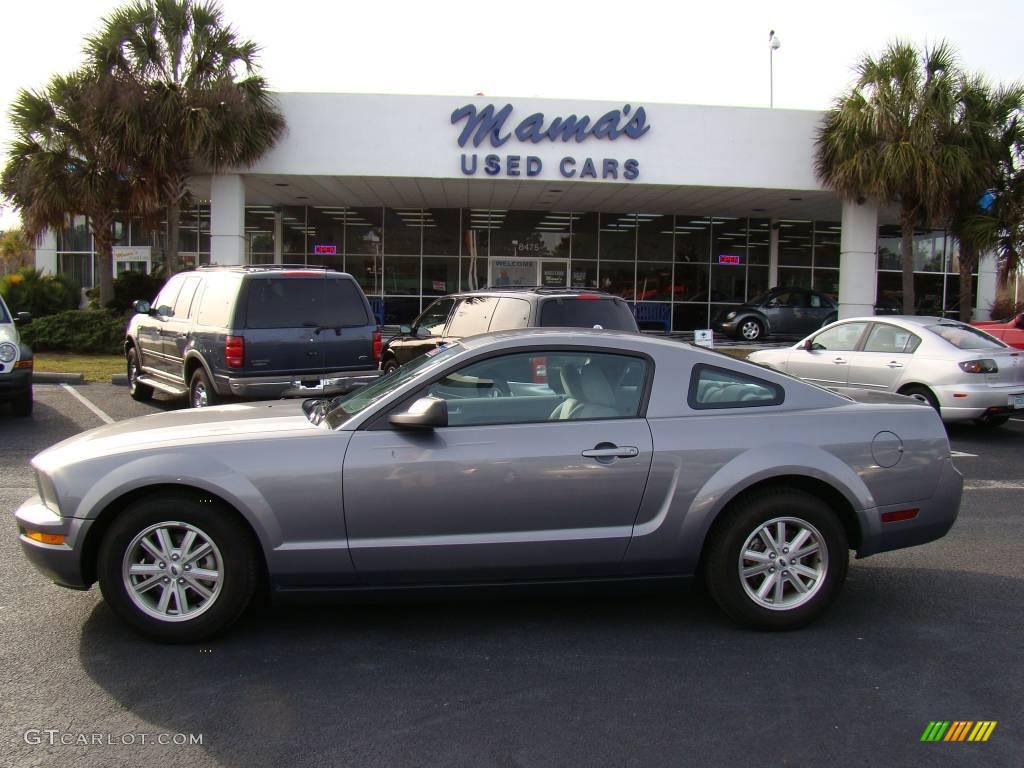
(592, 677)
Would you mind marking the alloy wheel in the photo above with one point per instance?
(783, 563)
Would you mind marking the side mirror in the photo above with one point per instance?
(23, 318)
(142, 307)
(425, 413)
(808, 345)
(405, 330)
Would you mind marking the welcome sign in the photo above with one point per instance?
(495, 127)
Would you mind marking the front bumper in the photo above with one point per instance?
(966, 402)
(934, 518)
(15, 382)
(61, 563)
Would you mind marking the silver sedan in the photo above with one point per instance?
(522, 456)
(961, 371)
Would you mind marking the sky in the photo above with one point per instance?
(629, 51)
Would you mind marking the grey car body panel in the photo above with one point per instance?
(368, 504)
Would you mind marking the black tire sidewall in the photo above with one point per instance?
(722, 557)
(926, 394)
(237, 549)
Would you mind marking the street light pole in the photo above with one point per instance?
(773, 46)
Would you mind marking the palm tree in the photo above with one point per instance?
(986, 209)
(63, 162)
(206, 109)
(890, 138)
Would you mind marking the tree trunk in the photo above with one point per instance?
(968, 261)
(173, 217)
(907, 257)
(101, 224)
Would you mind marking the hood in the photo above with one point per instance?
(9, 333)
(226, 423)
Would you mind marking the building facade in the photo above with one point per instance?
(682, 209)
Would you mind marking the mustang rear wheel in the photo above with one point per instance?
(177, 569)
(778, 561)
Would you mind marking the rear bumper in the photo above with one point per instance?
(61, 563)
(14, 383)
(975, 401)
(273, 387)
(935, 516)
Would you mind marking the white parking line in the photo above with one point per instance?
(962, 455)
(992, 485)
(102, 416)
(1020, 420)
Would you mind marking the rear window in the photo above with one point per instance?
(295, 302)
(573, 312)
(964, 336)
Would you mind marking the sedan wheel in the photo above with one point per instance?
(178, 569)
(778, 560)
(750, 330)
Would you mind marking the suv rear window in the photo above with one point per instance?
(294, 302)
(573, 312)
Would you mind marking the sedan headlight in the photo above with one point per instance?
(730, 316)
(7, 352)
(47, 492)
(986, 365)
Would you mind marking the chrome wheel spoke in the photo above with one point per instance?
(809, 550)
(145, 569)
(186, 545)
(166, 546)
(202, 591)
(148, 584)
(755, 570)
(151, 549)
(201, 551)
(795, 581)
(799, 540)
(204, 574)
(756, 556)
(771, 565)
(165, 598)
(767, 585)
(806, 572)
(766, 537)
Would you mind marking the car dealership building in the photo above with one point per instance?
(681, 209)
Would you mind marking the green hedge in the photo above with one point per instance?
(80, 330)
(29, 290)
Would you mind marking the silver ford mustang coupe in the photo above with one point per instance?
(522, 456)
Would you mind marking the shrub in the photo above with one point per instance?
(129, 286)
(29, 290)
(80, 330)
(1005, 308)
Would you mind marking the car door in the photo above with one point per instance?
(524, 481)
(174, 332)
(784, 311)
(883, 360)
(151, 330)
(825, 358)
(819, 309)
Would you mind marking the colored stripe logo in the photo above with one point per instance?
(958, 730)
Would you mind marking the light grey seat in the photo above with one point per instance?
(571, 385)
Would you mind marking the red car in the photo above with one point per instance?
(1010, 331)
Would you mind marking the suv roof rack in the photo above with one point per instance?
(265, 267)
(538, 289)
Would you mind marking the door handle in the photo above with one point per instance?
(839, 360)
(894, 364)
(615, 452)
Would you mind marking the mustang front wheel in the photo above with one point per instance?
(177, 569)
(778, 560)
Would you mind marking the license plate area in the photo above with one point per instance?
(1017, 402)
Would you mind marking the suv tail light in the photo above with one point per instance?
(234, 351)
(986, 365)
(378, 346)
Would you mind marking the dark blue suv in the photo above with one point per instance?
(249, 332)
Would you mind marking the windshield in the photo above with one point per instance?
(344, 407)
(965, 337)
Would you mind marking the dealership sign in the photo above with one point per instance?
(493, 126)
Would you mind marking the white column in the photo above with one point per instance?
(46, 252)
(858, 257)
(773, 254)
(988, 268)
(227, 219)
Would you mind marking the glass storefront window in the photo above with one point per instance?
(826, 244)
(367, 271)
(325, 227)
(827, 281)
(76, 235)
(691, 282)
(442, 234)
(759, 242)
(259, 234)
(757, 281)
(653, 281)
(440, 276)
(728, 282)
(795, 243)
(583, 273)
(363, 231)
(618, 237)
(654, 237)
(401, 275)
(693, 239)
(794, 278)
(616, 278)
(473, 274)
(584, 235)
(293, 234)
(531, 235)
(403, 229)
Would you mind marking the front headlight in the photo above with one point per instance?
(47, 492)
(730, 316)
(7, 352)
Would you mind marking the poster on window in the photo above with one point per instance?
(513, 272)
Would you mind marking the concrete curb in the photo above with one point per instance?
(119, 379)
(42, 377)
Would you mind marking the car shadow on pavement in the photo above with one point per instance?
(601, 678)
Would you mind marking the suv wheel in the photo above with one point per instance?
(200, 391)
(138, 390)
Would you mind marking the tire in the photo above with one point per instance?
(232, 556)
(200, 391)
(138, 391)
(749, 329)
(389, 366)
(922, 393)
(21, 406)
(802, 514)
(992, 422)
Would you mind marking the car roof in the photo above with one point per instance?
(534, 291)
(272, 270)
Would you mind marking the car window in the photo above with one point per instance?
(587, 311)
(531, 387)
(890, 339)
(472, 316)
(964, 336)
(4, 317)
(714, 387)
(295, 302)
(510, 313)
(434, 317)
(164, 301)
(786, 299)
(817, 301)
(839, 338)
(184, 300)
(217, 300)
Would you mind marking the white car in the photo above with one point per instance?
(962, 372)
(15, 363)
